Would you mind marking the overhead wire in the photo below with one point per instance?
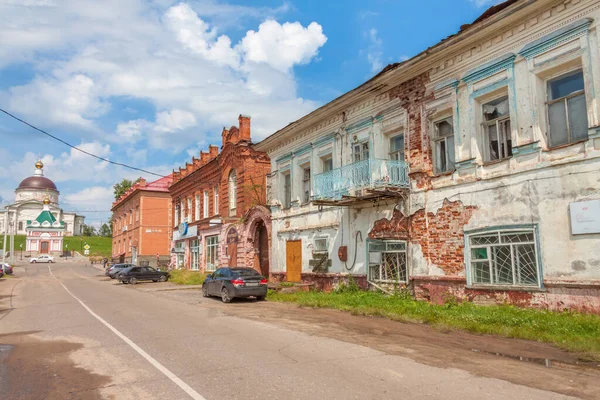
(79, 149)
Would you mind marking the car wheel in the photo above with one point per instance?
(132, 281)
(260, 298)
(154, 280)
(33, 261)
(204, 291)
(162, 278)
(225, 295)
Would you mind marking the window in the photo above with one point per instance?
(567, 112)
(287, 190)
(320, 245)
(232, 193)
(176, 216)
(443, 137)
(197, 207)
(182, 210)
(397, 148)
(504, 258)
(327, 164)
(189, 210)
(360, 151)
(21, 226)
(137, 213)
(306, 185)
(496, 130)
(195, 251)
(216, 200)
(205, 204)
(387, 261)
(131, 216)
(212, 252)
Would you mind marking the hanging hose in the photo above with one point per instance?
(355, 250)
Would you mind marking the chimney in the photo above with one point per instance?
(213, 151)
(244, 123)
(224, 136)
(142, 182)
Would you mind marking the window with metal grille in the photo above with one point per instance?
(567, 111)
(212, 252)
(387, 261)
(306, 185)
(507, 257)
(496, 130)
(443, 139)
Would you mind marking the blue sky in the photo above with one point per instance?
(151, 83)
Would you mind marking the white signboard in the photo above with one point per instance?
(86, 252)
(585, 217)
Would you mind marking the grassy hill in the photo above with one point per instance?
(100, 246)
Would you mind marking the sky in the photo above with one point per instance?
(151, 83)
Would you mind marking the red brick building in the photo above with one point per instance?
(218, 212)
(141, 223)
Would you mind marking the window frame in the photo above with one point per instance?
(327, 161)
(498, 123)
(392, 152)
(215, 200)
(189, 210)
(565, 99)
(197, 207)
(286, 201)
(306, 181)
(232, 192)
(499, 231)
(364, 151)
(438, 139)
(212, 252)
(205, 205)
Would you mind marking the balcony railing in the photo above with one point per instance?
(366, 174)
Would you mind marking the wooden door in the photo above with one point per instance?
(232, 253)
(44, 247)
(293, 260)
(263, 250)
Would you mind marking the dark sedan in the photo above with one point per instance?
(114, 270)
(134, 274)
(229, 283)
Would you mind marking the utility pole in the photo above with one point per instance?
(5, 231)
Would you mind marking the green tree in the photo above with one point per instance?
(89, 230)
(120, 188)
(105, 230)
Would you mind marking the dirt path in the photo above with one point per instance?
(523, 362)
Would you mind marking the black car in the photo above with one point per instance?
(134, 274)
(114, 270)
(232, 282)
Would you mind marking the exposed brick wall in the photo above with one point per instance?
(440, 235)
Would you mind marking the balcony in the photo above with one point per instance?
(366, 180)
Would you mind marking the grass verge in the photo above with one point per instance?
(187, 277)
(99, 246)
(568, 330)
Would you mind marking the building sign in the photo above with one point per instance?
(232, 236)
(189, 231)
(585, 217)
(183, 228)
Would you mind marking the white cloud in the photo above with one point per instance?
(283, 45)
(374, 50)
(482, 3)
(89, 52)
(91, 198)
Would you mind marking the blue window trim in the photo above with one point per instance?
(490, 68)
(556, 38)
(536, 233)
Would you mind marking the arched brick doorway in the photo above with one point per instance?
(258, 234)
(262, 245)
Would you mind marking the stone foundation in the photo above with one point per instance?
(323, 281)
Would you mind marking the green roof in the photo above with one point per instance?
(46, 216)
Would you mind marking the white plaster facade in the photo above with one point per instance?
(515, 54)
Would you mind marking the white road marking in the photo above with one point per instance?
(184, 386)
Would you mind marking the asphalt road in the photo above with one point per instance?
(68, 333)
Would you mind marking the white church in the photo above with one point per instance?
(30, 198)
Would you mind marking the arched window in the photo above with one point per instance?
(232, 193)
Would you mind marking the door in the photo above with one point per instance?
(263, 250)
(44, 247)
(293, 260)
(232, 253)
(213, 282)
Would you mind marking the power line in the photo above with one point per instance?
(78, 149)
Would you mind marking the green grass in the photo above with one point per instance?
(100, 246)
(187, 277)
(571, 331)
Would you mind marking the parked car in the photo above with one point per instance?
(229, 283)
(44, 258)
(7, 269)
(133, 274)
(114, 270)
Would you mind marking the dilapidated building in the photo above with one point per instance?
(471, 170)
(218, 206)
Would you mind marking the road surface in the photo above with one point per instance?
(66, 332)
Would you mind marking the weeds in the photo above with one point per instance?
(568, 330)
(187, 277)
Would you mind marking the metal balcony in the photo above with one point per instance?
(364, 180)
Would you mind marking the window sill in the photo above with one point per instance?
(495, 162)
(440, 174)
(563, 146)
(506, 288)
